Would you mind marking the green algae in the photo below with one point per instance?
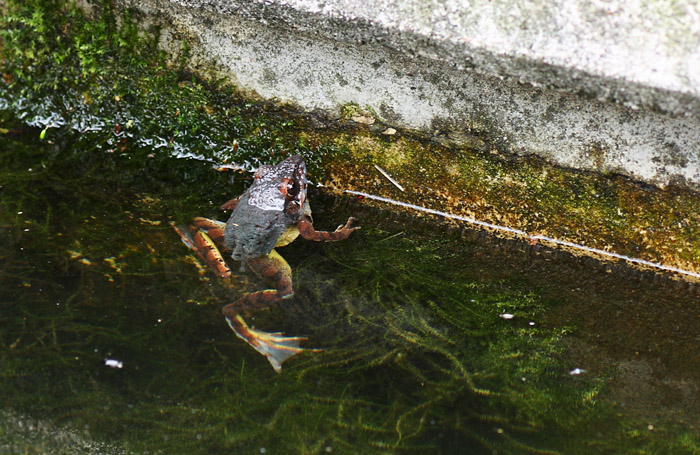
(417, 357)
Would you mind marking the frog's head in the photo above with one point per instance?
(281, 187)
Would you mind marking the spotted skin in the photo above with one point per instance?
(204, 242)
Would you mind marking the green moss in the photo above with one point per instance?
(110, 88)
(604, 212)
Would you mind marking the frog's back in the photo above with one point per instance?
(252, 232)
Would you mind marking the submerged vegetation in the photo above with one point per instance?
(416, 359)
(426, 348)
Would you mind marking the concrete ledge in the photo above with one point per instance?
(609, 86)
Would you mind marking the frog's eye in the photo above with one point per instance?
(290, 189)
(293, 190)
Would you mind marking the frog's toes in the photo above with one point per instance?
(274, 346)
(347, 227)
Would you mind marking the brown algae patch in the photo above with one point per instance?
(605, 212)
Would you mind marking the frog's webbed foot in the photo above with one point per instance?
(275, 347)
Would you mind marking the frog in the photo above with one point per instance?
(271, 213)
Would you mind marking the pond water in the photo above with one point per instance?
(434, 340)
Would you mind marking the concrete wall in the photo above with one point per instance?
(611, 86)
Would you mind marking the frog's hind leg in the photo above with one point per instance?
(214, 229)
(275, 347)
(205, 237)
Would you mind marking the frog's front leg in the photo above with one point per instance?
(306, 229)
(275, 347)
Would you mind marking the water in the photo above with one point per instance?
(434, 341)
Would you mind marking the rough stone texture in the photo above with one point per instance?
(610, 86)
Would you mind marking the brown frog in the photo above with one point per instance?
(271, 213)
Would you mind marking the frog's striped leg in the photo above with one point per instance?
(274, 346)
(214, 230)
(205, 237)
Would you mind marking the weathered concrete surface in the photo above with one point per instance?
(611, 86)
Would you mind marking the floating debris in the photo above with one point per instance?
(16, 343)
(365, 119)
(74, 254)
(230, 167)
(113, 363)
(113, 263)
